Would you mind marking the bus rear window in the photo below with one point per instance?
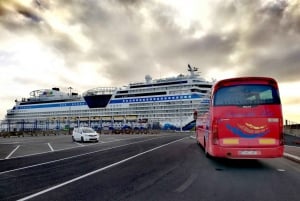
(246, 95)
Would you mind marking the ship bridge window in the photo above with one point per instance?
(204, 85)
(199, 90)
(122, 92)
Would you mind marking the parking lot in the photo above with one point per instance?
(23, 146)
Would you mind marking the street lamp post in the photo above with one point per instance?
(69, 113)
(180, 113)
(182, 90)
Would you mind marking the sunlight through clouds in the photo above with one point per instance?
(189, 12)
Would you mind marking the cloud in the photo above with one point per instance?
(274, 51)
(266, 34)
(283, 65)
(15, 8)
(131, 36)
(123, 40)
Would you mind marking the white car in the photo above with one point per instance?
(84, 134)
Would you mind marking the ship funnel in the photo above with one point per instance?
(148, 79)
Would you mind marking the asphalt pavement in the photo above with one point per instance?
(139, 167)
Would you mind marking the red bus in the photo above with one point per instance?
(244, 119)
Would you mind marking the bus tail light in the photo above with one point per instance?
(281, 138)
(215, 130)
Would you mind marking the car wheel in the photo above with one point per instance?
(73, 139)
(82, 139)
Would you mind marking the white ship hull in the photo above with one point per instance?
(166, 103)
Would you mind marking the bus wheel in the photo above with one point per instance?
(205, 150)
(197, 139)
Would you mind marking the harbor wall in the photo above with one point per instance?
(292, 131)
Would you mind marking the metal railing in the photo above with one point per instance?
(291, 124)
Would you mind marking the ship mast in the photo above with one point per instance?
(192, 70)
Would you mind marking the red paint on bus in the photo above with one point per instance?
(244, 119)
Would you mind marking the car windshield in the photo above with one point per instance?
(87, 130)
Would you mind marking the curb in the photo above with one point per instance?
(292, 157)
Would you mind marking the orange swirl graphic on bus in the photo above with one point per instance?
(248, 130)
(255, 127)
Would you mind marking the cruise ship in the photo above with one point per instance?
(165, 103)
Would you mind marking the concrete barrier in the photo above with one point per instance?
(291, 131)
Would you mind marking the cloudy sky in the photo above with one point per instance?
(91, 43)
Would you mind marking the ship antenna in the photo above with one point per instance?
(192, 70)
(189, 68)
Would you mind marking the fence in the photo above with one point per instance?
(37, 127)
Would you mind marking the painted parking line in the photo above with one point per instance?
(13, 151)
(51, 148)
(187, 183)
(81, 145)
(99, 170)
(78, 146)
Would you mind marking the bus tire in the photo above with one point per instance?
(197, 141)
(205, 150)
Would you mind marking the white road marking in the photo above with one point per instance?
(187, 183)
(116, 140)
(81, 145)
(96, 171)
(13, 151)
(51, 148)
(76, 156)
(68, 148)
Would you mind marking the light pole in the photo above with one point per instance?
(180, 113)
(69, 113)
(182, 90)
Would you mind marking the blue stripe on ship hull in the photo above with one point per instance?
(51, 105)
(156, 99)
(114, 101)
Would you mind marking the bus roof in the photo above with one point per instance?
(245, 80)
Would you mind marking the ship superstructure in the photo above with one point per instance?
(167, 102)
